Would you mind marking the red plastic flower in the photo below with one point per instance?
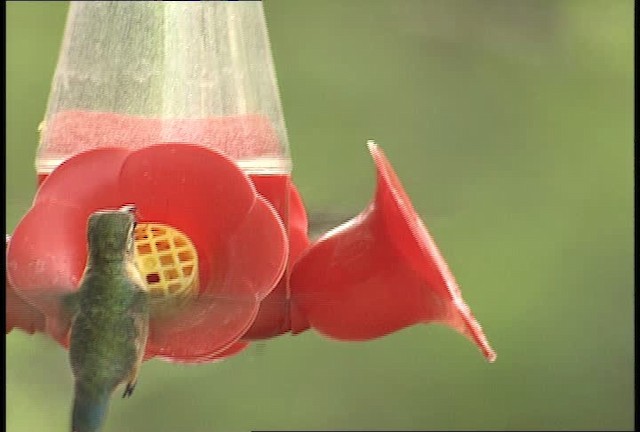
(370, 277)
(243, 136)
(240, 240)
(379, 273)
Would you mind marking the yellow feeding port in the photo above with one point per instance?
(166, 260)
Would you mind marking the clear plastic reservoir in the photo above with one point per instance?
(132, 74)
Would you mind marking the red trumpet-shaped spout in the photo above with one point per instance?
(379, 273)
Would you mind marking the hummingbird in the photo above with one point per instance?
(110, 321)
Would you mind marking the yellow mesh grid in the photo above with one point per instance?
(167, 261)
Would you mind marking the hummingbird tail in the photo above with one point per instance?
(89, 410)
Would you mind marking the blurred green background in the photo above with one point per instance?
(511, 126)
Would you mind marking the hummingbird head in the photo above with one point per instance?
(110, 234)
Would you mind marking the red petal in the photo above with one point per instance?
(248, 264)
(285, 198)
(298, 224)
(198, 191)
(274, 315)
(299, 238)
(379, 273)
(87, 181)
(241, 255)
(255, 255)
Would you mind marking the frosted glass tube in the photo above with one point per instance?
(134, 73)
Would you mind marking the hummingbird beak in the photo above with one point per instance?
(128, 208)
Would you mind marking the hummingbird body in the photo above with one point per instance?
(110, 326)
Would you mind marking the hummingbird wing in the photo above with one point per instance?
(21, 315)
(321, 221)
